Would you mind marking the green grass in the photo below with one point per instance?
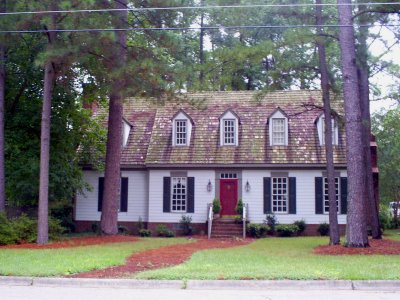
(58, 262)
(393, 234)
(280, 258)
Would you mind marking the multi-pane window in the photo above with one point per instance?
(280, 194)
(181, 132)
(178, 194)
(229, 132)
(228, 175)
(334, 131)
(278, 131)
(326, 197)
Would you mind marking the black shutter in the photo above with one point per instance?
(267, 195)
(292, 195)
(100, 194)
(343, 195)
(319, 203)
(190, 195)
(124, 195)
(167, 194)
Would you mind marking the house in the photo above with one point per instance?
(268, 151)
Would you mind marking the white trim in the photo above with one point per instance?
(281, 194)
(321, 134)
(325, 194)
(226, 117)
(278, 115)
(126, 129)
(181, 116)
(181, 201)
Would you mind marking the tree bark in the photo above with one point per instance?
(2, 104)
(334, 236)
(356, 231)
(49, 82)
(363, 78)
(201, 49)
(112, 177)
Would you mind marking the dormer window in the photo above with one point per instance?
(229, 123)
(278, 129)
(181, 132)
(181, 129)
(321, 131)
(126, 129)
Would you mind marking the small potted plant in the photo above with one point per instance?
(216, 207)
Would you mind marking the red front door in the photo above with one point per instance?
(228, 196)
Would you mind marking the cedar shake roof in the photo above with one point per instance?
(150, 140)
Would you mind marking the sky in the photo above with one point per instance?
(382, 80)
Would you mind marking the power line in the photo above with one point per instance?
(194, 28)
(178, 8)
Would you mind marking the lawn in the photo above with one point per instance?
(59, 262)
(281, 258)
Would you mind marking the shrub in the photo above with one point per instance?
(123, 230)
(216, 206)
(271, 221)
(239, 207)
(140, 224)
(384, 217)
(186, 222)
(63, 211)
(301, 224)
(323, 229)
(163, 230)
(144, 232)
(7, 232)
(257, 230)
(56, 230)
(286, 230)
(25, 229)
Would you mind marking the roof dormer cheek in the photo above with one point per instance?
(182, 126)
(278, 123)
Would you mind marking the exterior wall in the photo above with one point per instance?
(86, 202)
(305, 197)
(202, 196)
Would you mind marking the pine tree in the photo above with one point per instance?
(2, 102)
(356, 231)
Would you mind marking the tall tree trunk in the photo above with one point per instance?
(2, 102)
(356, 231)
(330, 168)
(201, 49)
(112, 176)
(49, 82)
(363, 81)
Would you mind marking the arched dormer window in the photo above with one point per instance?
(126, 130)
(229, 129)
(321, 130)
(278, 128)
(182, 126)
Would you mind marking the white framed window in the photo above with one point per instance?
(326, 197)
(278, 131)
(178, 194)
(229, 132)
(228, 176)
(280, 194)
(321, 131)
(181, 129)
(181, 132)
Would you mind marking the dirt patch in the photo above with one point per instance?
(77, 242)
(377, 247)
(160, 258)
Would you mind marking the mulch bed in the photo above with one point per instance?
(377, 247)
(77, 242)
(160, 258)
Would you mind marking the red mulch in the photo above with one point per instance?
(77, 242)
(380, 247)
(160, 258)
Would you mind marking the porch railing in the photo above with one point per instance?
(244, 218)
(210, 218)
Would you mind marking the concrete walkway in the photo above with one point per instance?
(362, 285)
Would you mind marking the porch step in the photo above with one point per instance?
(226, 228)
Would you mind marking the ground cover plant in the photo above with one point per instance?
(69, 260)
(278, 258)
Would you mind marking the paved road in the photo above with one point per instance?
(86, 293)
